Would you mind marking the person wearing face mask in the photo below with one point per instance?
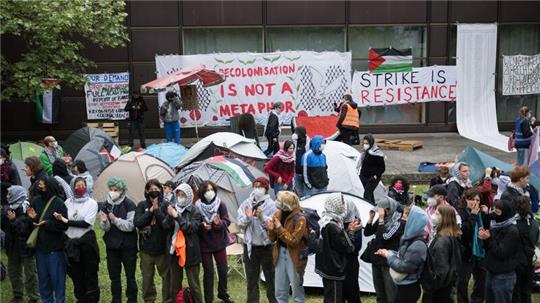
(252, 215)
(388, 229)
(399, 190)
(373, 167)
(17, 227)
(288, 228)
(436, 197)
(281, 168)
(8, 174)
(50, 257)
(184, 222)
(168, 195)
(80, 170)
(522, 135)
(214, 240)
(315, 168)
(149, 217)
(299, 138)
(116, 217)
(503, 245)
(81, 247)
(473, 218)
(458, 184)
(272, 129)
(51, 152)
(336, 243)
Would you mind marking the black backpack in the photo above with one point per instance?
(314, 231)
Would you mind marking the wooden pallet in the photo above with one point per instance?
(402, 145)
(111, 128)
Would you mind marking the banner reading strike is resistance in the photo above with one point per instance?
(106, 96)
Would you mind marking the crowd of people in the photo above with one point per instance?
(483, 231)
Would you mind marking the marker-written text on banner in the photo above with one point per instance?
(106, 96)
(423, 84)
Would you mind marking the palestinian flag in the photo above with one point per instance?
(236, 169)
(48, 103)
(390, 60)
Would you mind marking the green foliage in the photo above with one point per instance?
(52, 32)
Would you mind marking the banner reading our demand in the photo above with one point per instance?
(307, 83)
(423, 84)
(106, 96)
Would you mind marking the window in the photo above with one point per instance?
(305, 38)
(361, 38)
(222, 40)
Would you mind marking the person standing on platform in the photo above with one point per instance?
(349, 121)
(168, 111)
(136, 108)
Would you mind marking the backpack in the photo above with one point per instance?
(314, 231)
(184, 296)
(430, 281)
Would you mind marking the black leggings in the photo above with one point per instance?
(409, 293)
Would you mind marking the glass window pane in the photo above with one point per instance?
(364, 37)
(222, 40)
(305, 38)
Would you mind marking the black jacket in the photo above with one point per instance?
(16, 234)
(392, 243)
(190, 222)
(441, 251)
(528, 233)
(455, 192)
(33, 190)
(336, 244)
(272, 126)
(372, 166)
(509, 194)
(136, 114)
(468, 221)
(152, 232)
(11, 178)
(300, 147)
(502, 249)
(401, 198)
(115, 238)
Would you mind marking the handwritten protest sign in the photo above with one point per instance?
(106, 96)
(521, 75)
(307, 83)
(423, 84)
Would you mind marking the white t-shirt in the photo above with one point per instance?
(81, 211)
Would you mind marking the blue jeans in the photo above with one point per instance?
(286, 276)
(523, 156)
(172, 129)
(51, 269)
(499, 287)
(299, 185)
(313, 190)
(279, 187)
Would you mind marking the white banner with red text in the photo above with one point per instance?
(307, 83)
(423, 84)
(106, 96)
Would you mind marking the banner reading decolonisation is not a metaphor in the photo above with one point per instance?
(423, 84)
(106, 96)
(307, 83)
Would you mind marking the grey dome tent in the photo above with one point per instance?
(75, 142)
(96, 155)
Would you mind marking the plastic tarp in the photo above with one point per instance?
(78, 139)
(135, 168)
(25, 180)
(365, 280)
(235, 143)
(230, 192)
(169, 152)
(344, 164)
(478, 161)
(23, 150)
(92, 156)
(475, 103)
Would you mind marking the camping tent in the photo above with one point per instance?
(478, 161)
(95, 154)
(343, 168)
(136, 169)
(311, 279)
(25, 180)
(75, 142)
(169, 153)
(23, 150)
(227, 144)
(232, 176)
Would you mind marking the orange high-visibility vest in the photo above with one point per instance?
(352, 118)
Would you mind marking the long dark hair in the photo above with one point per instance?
(469, 194)
(403, 180)
(202, 189)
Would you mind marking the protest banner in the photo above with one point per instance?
(521, 75)
(423, 84)
(106, 96)
(307, 83)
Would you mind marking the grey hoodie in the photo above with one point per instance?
(169, 110)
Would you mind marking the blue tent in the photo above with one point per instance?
(169, 153)
(478, 161)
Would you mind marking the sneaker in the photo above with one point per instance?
(226, 299)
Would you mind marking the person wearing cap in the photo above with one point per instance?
(168, 195)
(273, 129)
(184, 222)
(168, 112)
(51, 152)
(252, 215)
(116, 217)
(436, 197)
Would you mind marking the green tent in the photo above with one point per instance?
(478, 162)
(23, 150)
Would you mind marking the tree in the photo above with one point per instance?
(52, 32)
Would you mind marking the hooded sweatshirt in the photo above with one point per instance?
(18, 230)
(300, 144)
(315, 169)
(254, 229)
(412, 252)
(372, 160)
(59, 168)
(168, 111)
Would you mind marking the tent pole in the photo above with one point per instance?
(197, 130)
